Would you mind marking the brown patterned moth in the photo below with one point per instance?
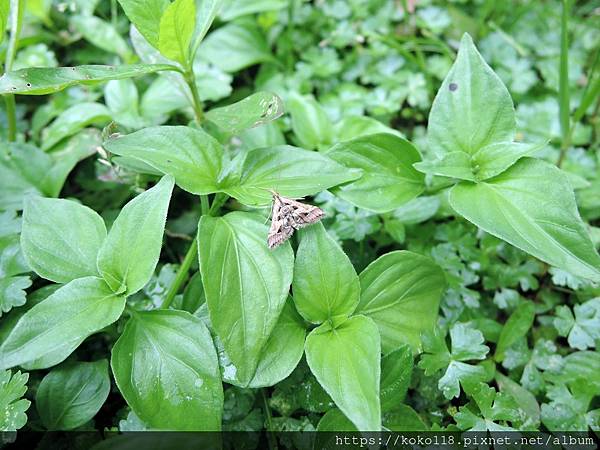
(287, 216)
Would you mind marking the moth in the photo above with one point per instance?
(287, 216)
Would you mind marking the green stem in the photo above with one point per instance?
(189, 258)
(563, 84)
(268, 418)
(190, 78)
(16, 20)
(113, 12)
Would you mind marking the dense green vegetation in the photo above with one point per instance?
(454, 283)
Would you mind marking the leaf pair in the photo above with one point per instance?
(393, 298)
(199, 164)
(527, 202)
(66, 242)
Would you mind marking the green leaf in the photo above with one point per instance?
(517, 326)
(467, 344)
(283, 350)
(72, 394)
(166, 367)
(333, 420)
(388, 179)
(531, 206)
(403, 418)
(12, 406)
(73, 120)
(583, 330)
(472, 109)
(351, 127)
(493, 407)
(346, 362)
(101, 34)
(452, 164)
(191, 156)
(60, 239)
(494, 159)
(236, 46)
(396, 371)
(130, 252)
(401, 292)
(254, 110)
(176, 29)
(526, 400)
(291, 171)
(233, 9)
(310, 123)
(47, 80)
(12, 292)
(146, 16)
(325, 283)
(61, 322)
(246, 286)
(206, 11)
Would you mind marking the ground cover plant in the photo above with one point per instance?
(453, 283)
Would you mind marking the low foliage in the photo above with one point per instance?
(453, 284)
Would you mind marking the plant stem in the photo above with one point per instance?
(113, 12)
(190, 78)
(189, 258)
(16, 20)
(563, 83)
(268, 418)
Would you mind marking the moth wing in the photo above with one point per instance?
(307, 214)
(278, 235)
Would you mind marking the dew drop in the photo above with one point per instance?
(453, 86)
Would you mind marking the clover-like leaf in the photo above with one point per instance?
(12, 406)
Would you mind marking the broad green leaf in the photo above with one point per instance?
(389, 178)
(254, 110)
(333, 420)
(310, 123)
(166, 367)
(401, 292)
(283, 350)
(517, 326)
(122, 99)
(65, 156)
(101, 34)
(403, 418)
(206, 11)
(346, 362)
(191, 156)
(325, 283)
(61, 238)
(73, 120)
(494, 159)
(351, 127)
(12, 405)
(72, 394)
(236, 46)
(233, 9)
(396, 370)
(130, 252)
(472, 109)
(22, 166)
(146, 15)
(176, 30)
(61, 321)
(452, 164)
(267, 135)
(47, 80)
(531, 206)
(246, 285)
(12, 292)
(291, 171)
